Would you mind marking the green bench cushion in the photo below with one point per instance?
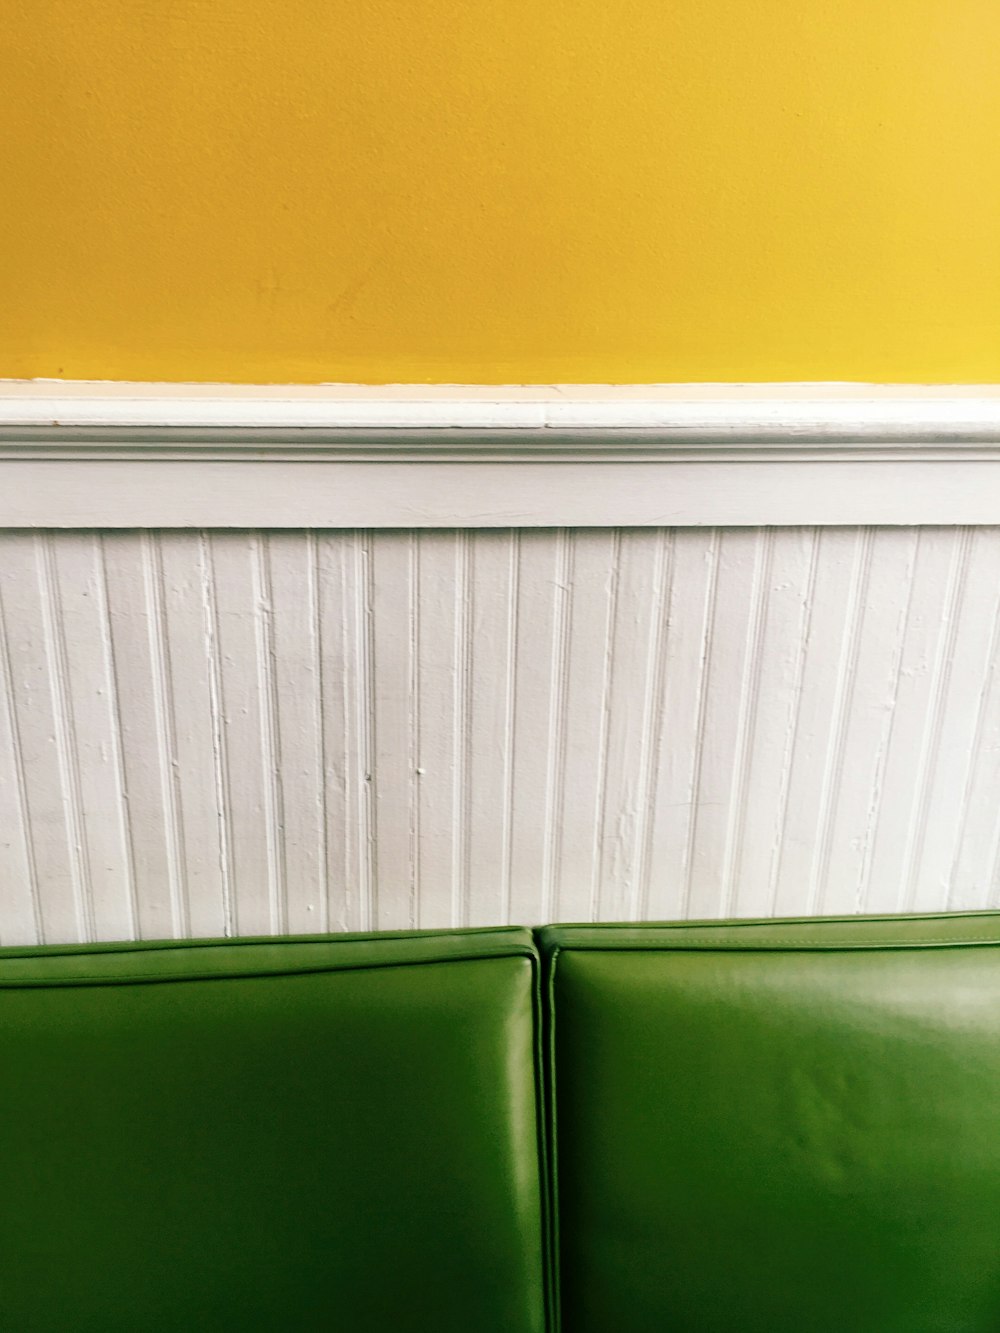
(327, 1133)
(778, 1127)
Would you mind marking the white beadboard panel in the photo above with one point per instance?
(778, 631)
(591, 573)
(488, 725)
(138, 651)
(634, 634)
(293, 676)
(962, 669)
(19, 866)
(725, 686)
(48, 800)
(77, 588)
(392, 620)
(438, 655)
(533, 709)
(252, 732)
(239, 634)
(188, 690)
(679, 721)
(344, 675)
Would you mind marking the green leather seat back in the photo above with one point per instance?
(335, 1133)
(778, 1127)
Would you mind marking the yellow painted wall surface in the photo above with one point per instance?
(521, 190)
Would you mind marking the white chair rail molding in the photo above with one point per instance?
(111, 455)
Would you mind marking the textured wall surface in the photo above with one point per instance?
(257, 732)
(534, 190)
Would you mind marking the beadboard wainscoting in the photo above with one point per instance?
(208, 732)
(281, 659)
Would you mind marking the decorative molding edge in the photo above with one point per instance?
(114, 455)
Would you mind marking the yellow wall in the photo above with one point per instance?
(500, 190)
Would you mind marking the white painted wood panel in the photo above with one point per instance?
(251, 732)
(344, 678)
(49, 793)
(597, 488)
(439, 650)
(119, 455)
(190, 688)
(591, 573)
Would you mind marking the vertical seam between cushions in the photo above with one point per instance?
(549, 961)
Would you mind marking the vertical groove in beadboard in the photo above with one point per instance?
(322, 788)
(490, 705)
(112, 668)
(944, 661)
(795, 715)
(975, 754)
(597, 845)
(993, 886)
(437, 687)
(584, 703)
(707, 644)
(348, 762)
(23, 808)
(833, 771)
(968, 679)
(747, 724)
(510, 704)
(667, 542)
(993, 882)
(270, 739)
(555, 770)
(656, 645)
(462, 795)
(364, 629)
(341, 873)
(293, 706)
(65, 734)
(164, 729)
(875, 794)
(632, 889)
(413, 687)
(221, 767)
(342, 776)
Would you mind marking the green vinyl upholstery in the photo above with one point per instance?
(760, 1127)
(330, 1133)
(778, 1127)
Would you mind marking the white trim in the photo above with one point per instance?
(80, 454)
(738, 412)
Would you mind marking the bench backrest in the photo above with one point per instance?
(778, 1127)
(285, 1135)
